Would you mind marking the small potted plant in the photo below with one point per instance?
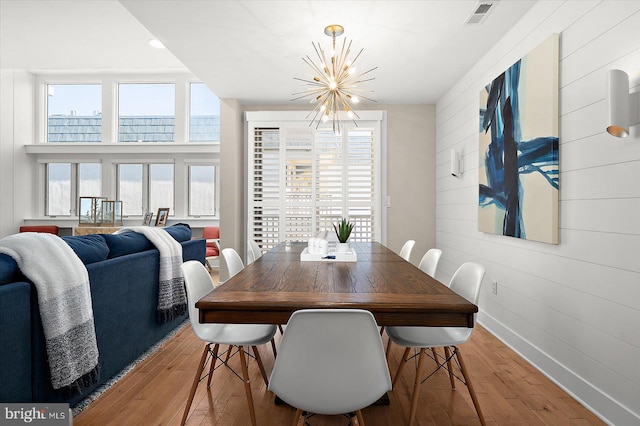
(343, 231)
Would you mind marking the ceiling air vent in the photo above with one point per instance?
(480, 12)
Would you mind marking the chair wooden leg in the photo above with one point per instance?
(296, 419)
(247, 384)
(228, 354)
(447, 354)
(381, 330)
(260, 365)
(416, 388)
(194, 386)
(360, 418)
(400, 366)
(435, 354)
(213, 364)
(273, 347)
(280, 328)
(472, 392)
(386, 353)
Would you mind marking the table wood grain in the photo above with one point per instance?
(270, 289)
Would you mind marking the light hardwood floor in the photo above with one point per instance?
(510, 391)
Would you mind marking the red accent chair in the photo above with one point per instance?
(49, 229)
(212, 235)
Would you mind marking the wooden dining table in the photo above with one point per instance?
(398, 293)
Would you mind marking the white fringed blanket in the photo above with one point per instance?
(172, 299)
(64, 299)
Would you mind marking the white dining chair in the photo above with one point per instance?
(429, 262)
(466, 281)
(330, 361)
(253, 251)
(233, 262)
(405, 251)
(198, 283)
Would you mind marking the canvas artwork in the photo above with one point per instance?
(518, 171)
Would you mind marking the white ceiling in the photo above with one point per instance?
(251, 50)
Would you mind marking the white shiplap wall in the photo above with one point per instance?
(572, 309)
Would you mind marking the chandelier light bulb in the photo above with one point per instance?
(333, 85)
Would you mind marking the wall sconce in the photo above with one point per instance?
(624, 108)
(456, 165)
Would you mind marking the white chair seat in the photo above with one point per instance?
(436, 336)
(237, 334)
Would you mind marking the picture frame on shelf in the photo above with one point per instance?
(148, 216)
(162, 216)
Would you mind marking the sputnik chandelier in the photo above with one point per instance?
(334, 87)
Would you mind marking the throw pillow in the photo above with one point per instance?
(89, 248)
(126, 243)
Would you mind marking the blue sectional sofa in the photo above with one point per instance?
(123, 273)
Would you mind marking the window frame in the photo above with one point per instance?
(146, 186)
(189, 93)
(44, 104)
(73, 189)
(216, 189)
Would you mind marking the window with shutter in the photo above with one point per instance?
(302, 180)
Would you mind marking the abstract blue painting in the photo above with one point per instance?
(518, 171)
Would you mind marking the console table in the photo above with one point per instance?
(86, 230)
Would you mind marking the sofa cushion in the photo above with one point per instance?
(8, 269)
(89, 248)
(126, 243)
(181, 232)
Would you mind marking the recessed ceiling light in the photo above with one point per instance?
(157, 44)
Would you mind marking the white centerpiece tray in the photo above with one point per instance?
(331, 256)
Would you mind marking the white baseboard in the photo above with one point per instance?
(603, 406)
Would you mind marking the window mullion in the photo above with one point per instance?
(146, 192)
(74, 189)
(109, 110)
(345, 172)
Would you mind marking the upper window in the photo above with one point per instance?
(204, 115)
(74, 112)
(146, 112)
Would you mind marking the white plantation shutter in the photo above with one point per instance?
(330, 199)
(302, 180)
(265, 186)
(298, 180)
(360, 188)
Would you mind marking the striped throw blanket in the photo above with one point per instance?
(172, 299)
(64, 300)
